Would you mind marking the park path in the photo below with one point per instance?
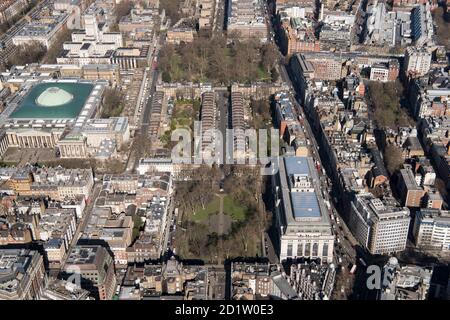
(220, 230)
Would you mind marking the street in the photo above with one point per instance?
(143, 124)
(345, 253)
(84, 220)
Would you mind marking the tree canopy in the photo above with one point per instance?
(27, 53)
(216, 61)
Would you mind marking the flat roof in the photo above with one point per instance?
(29, 108)
(305, 205)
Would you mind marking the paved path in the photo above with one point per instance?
(220, 228)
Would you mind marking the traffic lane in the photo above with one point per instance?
(270, 249)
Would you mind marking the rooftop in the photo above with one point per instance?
(53, 101)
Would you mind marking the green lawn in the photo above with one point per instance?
(230, 208)
(203, 214)
(233, 209)
(262, 74)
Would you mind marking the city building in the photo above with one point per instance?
(56, 229)
(251, 281)
(39, 114)
(17, 232)
(336, 30)
(417, 61)
(22, 274)
(422, 28)
(131, 58)
(408, 282)
(318, 66)
(139, 19)
(246, 19)
(380, 225)
(63, 290)
(385, 72)
(208, 118)
(238, 122)
(56, 183)
(312, 281)
(386, 28)
(302, 220)
(430, 98)
(206, 12)
(9, 9)
(432, 229)
(93, 133)
(95, 44)
(43, 27)
(412, 195)
(95, 265)
(182, 31)
(284, 112)
(170, 280)
(115, 230)
(297, 30)
(398, 3)
(306, 280)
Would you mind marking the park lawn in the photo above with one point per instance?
(182, 115)
(233, 209)
(230, 208)
(262, 74)
(212, 207)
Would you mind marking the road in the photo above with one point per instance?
(219, 18)
(152, 78)
(84, 220)
(217, 282)
(344, 248)
(168, 234)
(344, 244)
(269, 249)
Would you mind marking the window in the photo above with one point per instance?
(300, 250)
(289, 250)
(307, 249)
(325, 250)
(315, 250)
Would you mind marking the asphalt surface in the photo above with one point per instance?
(152, 78)
(344, 248)
(84, 220)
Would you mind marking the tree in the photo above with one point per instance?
(112, 103)
(28, 53)
(172, 9)
(270, 55)
(442, 27)
(392, 158)
(211, 59)
(56, 47)
(385, 102)
(137, 225)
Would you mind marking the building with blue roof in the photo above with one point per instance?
(302, 219)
